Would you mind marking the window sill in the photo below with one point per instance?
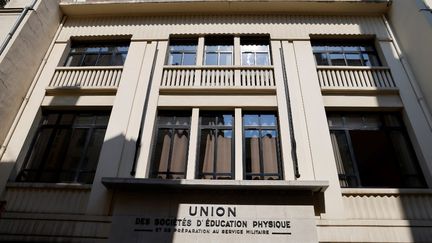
(40, 185)
(236, 185)
(386, 191)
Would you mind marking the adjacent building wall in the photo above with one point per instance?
(23, 55)
(412, 25)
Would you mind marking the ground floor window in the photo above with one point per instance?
(216, 145)
(373, 150)
(262, 160)
(170, 151)
(66, 147)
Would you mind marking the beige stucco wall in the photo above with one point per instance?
(21, 59)
(413, 30)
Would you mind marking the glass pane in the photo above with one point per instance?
(211, 59)
(67, 119)
(162, 152)
(179, 153)
(84, 119)
(73, 154)
(207, 150)
(211, 48)
(252, 152)
(182, 120)
(334, 48)
(226, 48)
(102, 120)
(251, 120)
(268, 120)
(91, 159)
(226, 120)
(119, 60)
(321, 59)
(262, 59)
(51, 119)
(376, 160)
(337, 59)
(90, 60)
(344, 163)
(248, 59)
(225, 59)
(74, 60)
(175, 59)
(373, 60)
(351, 48)
(334, 120)
(189, 59)
(317, 48)
(224, 153)
(37, 153)
(353, 60)
(104, 60)
(269, 152)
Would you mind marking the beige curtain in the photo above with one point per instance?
(179, 153)
(270, 156)
(223, 154)
(209, 156)
(255, 158)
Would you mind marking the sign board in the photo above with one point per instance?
(187, 223)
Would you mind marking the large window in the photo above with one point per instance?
(219, 51)
(373, 150)
(97, 54)
(261, 147)
(66, 147)
(216, 147)
(171, 145)
(255, 51)
(347, 53)
(182, 52)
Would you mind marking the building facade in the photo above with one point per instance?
(235, 121)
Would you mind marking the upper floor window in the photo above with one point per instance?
(348, 53)
(219, 51)
(261, 146)
(182, 52)
(216, 146)
(97, 54)
(171, 145)
(255, 51)
(66, 147)
(373, 150)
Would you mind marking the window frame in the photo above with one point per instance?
(98, 44)
(216, 128)
(153, 173)
(257, 41)
(182, 42)
(278, 146)
(367, 44)
(55, 128)
(387, 129)
(218, 42)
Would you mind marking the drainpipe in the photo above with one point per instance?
(411, 78)
(30, 91)
(16, 25)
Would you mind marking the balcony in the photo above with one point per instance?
(226, 78)
(343, 79)
(86, 79)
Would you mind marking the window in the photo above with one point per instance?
(97, 54)
(171, 145)
(255, 51)
(182, 52)
(66, 147)
(219, 51)
(331, 53)
(261, 146)
(373, 150)
(216, 146)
